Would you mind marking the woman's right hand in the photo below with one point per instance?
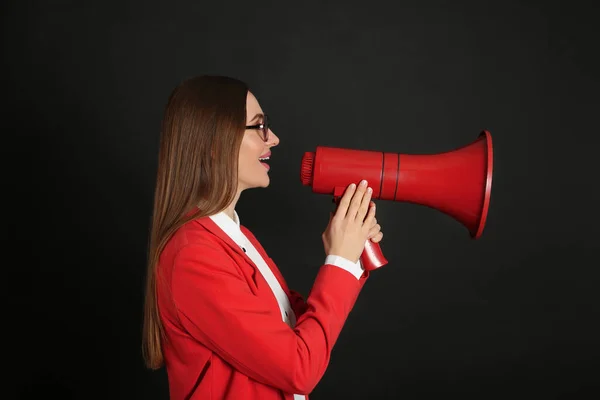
(348, 229)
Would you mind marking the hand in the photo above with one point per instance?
(352, 224)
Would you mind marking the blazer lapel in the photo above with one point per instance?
(212, 227)
(268, 260)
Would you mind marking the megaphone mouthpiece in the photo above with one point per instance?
(306, 168)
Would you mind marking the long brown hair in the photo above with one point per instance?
(202, 129)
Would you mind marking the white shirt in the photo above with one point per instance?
(232, 229)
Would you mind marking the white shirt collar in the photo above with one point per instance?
(230, 226)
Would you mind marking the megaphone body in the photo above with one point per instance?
(457, 183)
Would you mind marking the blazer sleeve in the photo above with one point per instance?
(216, 306)
(298, 304)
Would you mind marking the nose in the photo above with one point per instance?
(273, 139)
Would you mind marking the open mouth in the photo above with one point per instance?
(263, 160)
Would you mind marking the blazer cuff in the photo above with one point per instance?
(355, 269)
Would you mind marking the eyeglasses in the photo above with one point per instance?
(263, 128)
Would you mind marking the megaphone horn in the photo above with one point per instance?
(457, 183)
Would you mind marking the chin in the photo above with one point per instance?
(266, 183)
(263, 183)
(254, 179)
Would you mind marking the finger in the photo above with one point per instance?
(368, 222)
(377, 238)
(364, 205)
(371, 204)
(357, 199)
(373, 222)
(344, 203)
(374, 231)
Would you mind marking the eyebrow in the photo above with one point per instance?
(259, 115)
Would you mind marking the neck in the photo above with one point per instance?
(231, 207)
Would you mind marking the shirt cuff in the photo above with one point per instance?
(355, 269)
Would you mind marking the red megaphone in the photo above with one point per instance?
(457, 183)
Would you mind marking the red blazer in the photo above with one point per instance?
(224, 335)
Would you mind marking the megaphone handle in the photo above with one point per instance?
(371, 257)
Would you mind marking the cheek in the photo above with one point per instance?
(249, 151)
(248, 159)
(246, 162)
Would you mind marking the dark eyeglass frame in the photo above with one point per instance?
(264, 128)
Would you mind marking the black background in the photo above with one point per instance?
(511, 315)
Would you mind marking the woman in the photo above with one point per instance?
(218, 313)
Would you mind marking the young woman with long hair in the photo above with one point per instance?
(218, 313)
